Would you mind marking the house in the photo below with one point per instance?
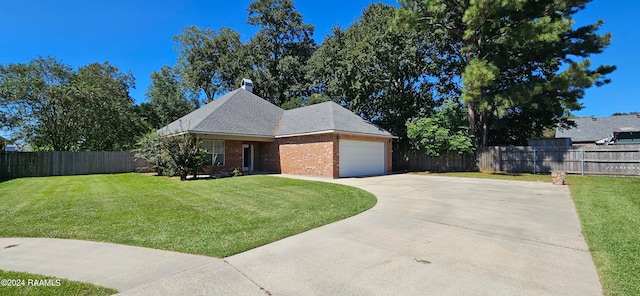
(7, 146)
(620, 129)
(242, 130)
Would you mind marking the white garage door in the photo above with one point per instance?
(361, 158)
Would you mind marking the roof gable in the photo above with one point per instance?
(324, 117)
(237, 113)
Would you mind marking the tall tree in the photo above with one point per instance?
(279, 51)
(518, 60)
(47, 104)
(36, 104)
(379, 73)
(167, 98)
(109, 121)
(210, 62)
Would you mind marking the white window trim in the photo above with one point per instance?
(213, 148)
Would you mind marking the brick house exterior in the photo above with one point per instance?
(308, 155)
(254, 135)
(314, 155)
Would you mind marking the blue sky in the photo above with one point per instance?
(137, 36)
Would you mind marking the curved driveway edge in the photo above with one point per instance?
(431, 235)
(130, 270)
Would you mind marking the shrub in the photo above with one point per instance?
(153, 150)
(170, 156)
(236, 172)
(443, 131)
(187, 153)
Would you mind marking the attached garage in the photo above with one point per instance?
(361, 158)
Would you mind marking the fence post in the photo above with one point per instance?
(582, 167)
(535, 158)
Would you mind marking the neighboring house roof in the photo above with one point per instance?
(240, 112)
(13, 147)
(325, 117)
(594, 129)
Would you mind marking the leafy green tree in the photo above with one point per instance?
(167, 98)
(518, 61)
(442, 132)
(49, 105)
(179, 155)
(210, 62)
(279, 51)
(36, 104)
(108, 119)
(625, 113)
(379, 73)
(312, 99)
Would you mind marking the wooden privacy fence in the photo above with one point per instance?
(61, 163)
(413, 160)
(622, 160)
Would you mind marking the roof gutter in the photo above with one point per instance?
(335, 132)
(245, 137)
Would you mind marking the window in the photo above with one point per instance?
(215, 152)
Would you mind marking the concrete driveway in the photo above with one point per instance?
(427, 235)
(432, 235)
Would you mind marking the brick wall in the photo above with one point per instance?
(267, 157)
(232, 157)
(308, 155)
(389, 149)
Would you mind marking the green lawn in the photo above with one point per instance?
(209, 217)
(32, 284)
(609, 209)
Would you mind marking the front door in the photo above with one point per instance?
(247, 157)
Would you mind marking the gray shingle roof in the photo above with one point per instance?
(237, 113)
(327, 116)
(242, 113)
(589, 130)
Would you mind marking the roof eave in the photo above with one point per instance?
(336, 132)
(234, 136)
(367, 134)
(305, 134)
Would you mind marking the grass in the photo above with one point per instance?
(209, 217)
(609, 209)
(32, 284)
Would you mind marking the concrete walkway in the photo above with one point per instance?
(427, 235)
